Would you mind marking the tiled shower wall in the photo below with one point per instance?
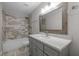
(15, 27)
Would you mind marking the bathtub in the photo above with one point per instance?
(10, 47)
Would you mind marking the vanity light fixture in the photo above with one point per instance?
(50, 6)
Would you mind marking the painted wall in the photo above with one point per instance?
(73, 26)
(0, 28)
(34, 19)
(54, 19)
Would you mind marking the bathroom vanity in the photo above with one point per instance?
(42, 45)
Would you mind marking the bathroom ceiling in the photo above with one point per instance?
(19, 9)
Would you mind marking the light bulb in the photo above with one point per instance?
(49, 7)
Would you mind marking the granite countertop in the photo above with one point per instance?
(55, 42)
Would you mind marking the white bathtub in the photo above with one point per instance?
(11, 45)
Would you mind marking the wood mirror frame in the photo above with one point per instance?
(64, 30)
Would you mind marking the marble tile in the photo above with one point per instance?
(16, 27)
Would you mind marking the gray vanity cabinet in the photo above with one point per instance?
(38, 48)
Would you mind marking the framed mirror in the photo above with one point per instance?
(55, 21)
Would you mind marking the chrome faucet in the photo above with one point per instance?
(46, 33)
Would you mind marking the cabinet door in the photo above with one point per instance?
(39, 52)
(36, 48)
(49, 51)
(38, 44)
(30, 47)
(34, 51)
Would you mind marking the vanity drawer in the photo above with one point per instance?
(49, 51)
